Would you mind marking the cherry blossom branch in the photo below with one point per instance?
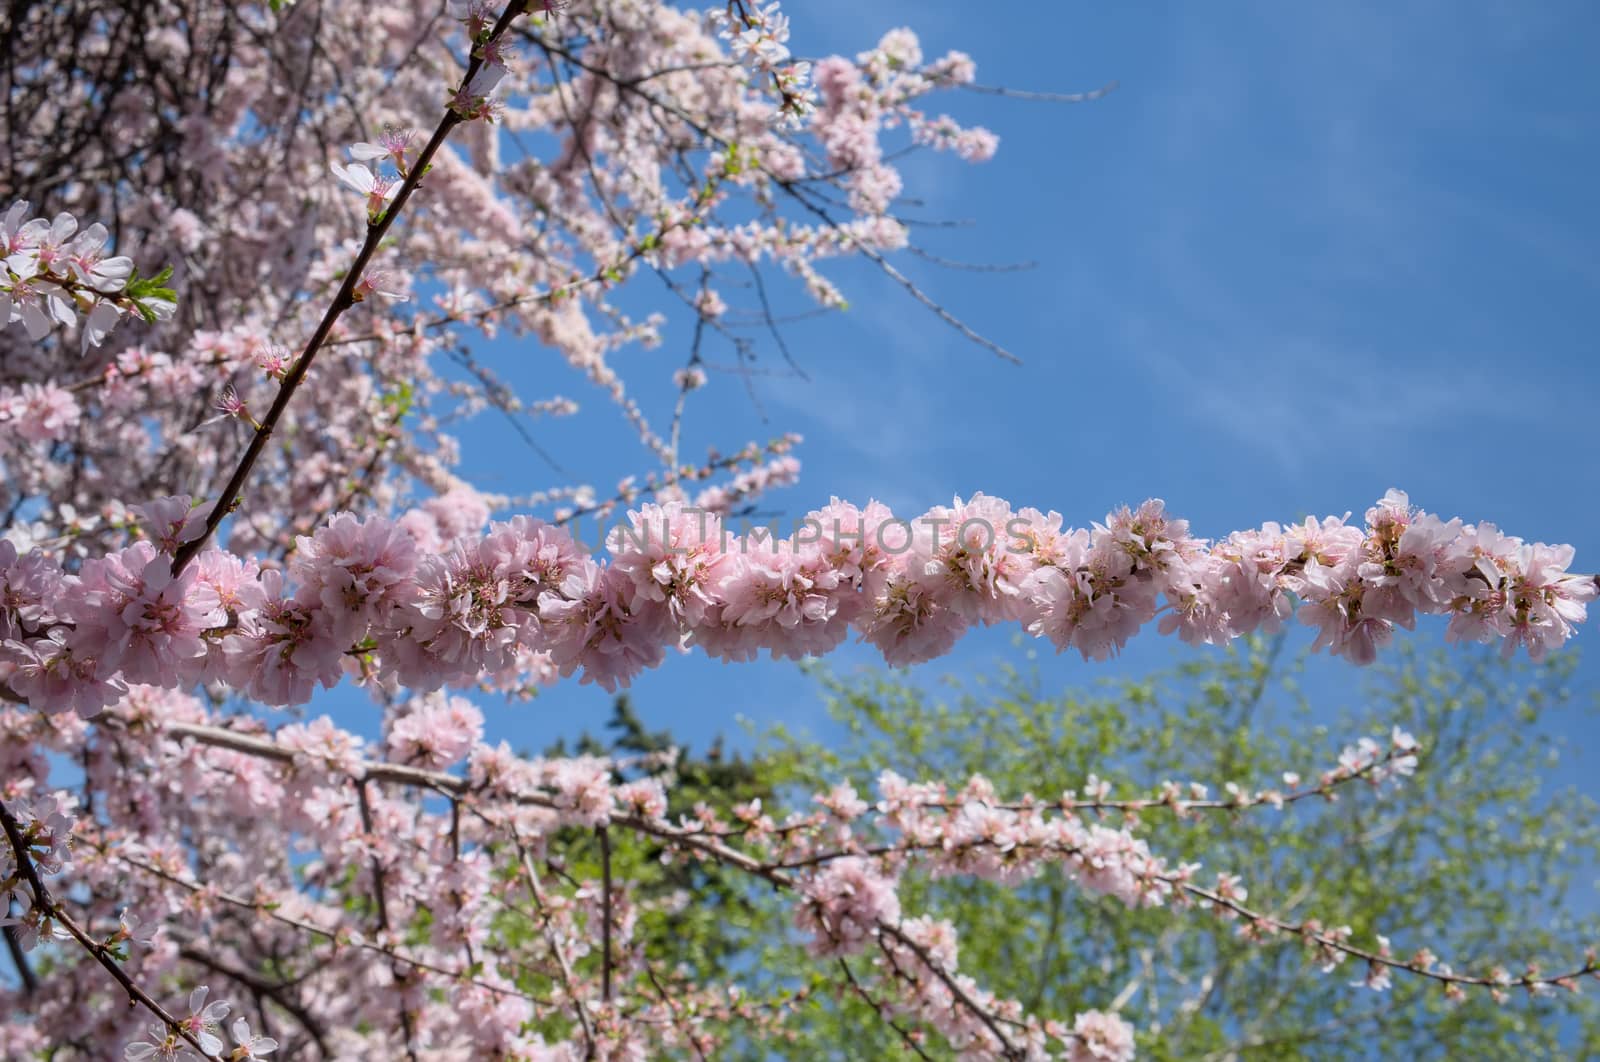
(277, 992)
(796, 192)
(368, 770)
(398, 972)
(605, 912)
(881, 1010)
(337, 937)
(677, 576)
(1363, 762)
(52, 909)
(789, 873)
(1424, 963)
(991, 1022)
(450, 785)
(563, 964)
(1375, 769)
(685, 1028)
(795, 102)
(684, 838)
(455, 894)
(1226, 897)
(377, 228)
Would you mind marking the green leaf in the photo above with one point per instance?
(142, 291)
(400, 401)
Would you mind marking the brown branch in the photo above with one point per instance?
(882, 1010)
(957, 991)
(1310, 932)
(605, 913)
(51, 909)
(276, 991)
(1266, 798)
(383, 916)
(568, 979)
(685, 1027)
(337, 938)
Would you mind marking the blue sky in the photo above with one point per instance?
(1300, 255)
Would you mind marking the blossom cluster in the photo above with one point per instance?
(359, 596)
(474, 100)
(859, 98)
(378, 189)
(50, 273)
(757, 35)
(45, 825)
(203, 1026)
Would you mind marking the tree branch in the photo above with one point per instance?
(51, 909)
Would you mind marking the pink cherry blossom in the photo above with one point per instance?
(845, 905)
(378, 190)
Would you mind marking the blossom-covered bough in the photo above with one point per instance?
(247, 494)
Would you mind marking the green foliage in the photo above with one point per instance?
(400, 400)
(142, 291)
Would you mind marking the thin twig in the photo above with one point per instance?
(568, 978)
(605, 912)
(1046, 97)
(383, 916)
(881, 1010)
